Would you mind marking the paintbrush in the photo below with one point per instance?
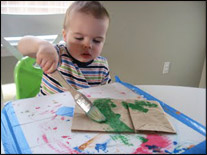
(91, 111)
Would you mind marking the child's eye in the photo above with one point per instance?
(79, 38)
(96, 41)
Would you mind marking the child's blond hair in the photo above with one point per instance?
(94, 8)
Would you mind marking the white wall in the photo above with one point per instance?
(144, 34)
(141, 37)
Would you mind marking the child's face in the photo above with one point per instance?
(85, 36)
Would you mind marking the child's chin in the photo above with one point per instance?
(86, 59)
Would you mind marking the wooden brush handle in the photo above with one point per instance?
(58, 76)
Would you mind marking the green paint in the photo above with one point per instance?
(112, 119)
(144, 140)
(113, 105)
(125, 105)
(123, 139)
(139, 105)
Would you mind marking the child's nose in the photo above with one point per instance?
(87, 45)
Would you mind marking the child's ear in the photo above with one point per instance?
(64, 34)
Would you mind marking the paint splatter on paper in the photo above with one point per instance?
(123, 138)
(154, 144)
(102, 147)
(86, 144)
(59, 147)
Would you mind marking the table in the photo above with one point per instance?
(184, 99)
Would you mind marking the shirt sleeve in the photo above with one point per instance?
(107, 78)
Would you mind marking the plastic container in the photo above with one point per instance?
(27, 78)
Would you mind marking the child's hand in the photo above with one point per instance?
(47, 57)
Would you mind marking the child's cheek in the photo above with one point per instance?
(75, 46)
(98, 49)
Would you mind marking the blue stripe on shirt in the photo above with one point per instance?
(50, 85)
(80, 85)
(94, 72)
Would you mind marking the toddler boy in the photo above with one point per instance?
(78, 60)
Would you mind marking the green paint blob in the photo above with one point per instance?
(112, 119)
(125, 105)
(139, 105)
(113, 105)
(123, 139)
(144, 140)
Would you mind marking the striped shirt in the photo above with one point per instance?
(77, 74)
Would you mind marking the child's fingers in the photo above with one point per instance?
(38, 61)
(52, 68)
(42, 64)
(47, 65)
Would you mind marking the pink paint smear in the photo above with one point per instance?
(62, 145)
(69, 150)
(123, 93)
(49, 145)
(64, 136)
(156, 141)
(54, 117)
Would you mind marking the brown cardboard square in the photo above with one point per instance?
(152, 119)
(119, 122)
(124, 116)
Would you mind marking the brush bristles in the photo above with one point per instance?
(96, 115)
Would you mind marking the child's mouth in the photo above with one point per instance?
(86, 55)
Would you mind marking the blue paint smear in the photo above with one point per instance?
(176, 150)
(81, 151)
(65, 111)
(77, 149)
(101, 146)
(154, 148)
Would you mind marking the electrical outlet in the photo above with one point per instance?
(166, 68)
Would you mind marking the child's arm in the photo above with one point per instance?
(44, 52)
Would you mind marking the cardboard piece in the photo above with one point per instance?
(124, 116)
(150, 118)
(83, 123)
